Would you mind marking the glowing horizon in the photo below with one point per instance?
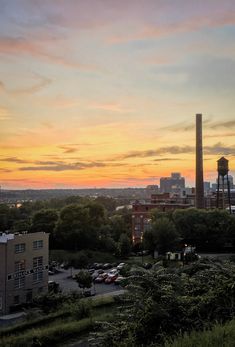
(104, 93)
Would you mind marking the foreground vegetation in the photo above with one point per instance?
(58, 319)
(161, 302)
(218, 336)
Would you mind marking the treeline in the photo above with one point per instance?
(77, 223)
(74, 223)
(208, 230)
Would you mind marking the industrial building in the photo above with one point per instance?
(23, 270)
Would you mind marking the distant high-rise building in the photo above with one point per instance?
(207, 186)
(172, 184)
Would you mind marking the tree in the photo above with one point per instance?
(73, 230)
(44, 220)
(4, 217)
(96, 214)
(117, 227)
(124, 245)
(162, 236)
(108, 203)
(84, 279)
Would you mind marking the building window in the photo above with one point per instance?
(37, 266)
(19, 265)
(20, 248)
(29, 296)
(16, 299)
(37, 262)
(19, 282)
(38, 276)
(38, 244)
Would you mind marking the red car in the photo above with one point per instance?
(101, 278)
(111, 278)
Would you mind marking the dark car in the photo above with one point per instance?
(88, 293)
(107, 266)
(98, 266)
(53, 287)
(147, 266)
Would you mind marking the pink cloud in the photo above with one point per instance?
(19, 45)
(184, 25)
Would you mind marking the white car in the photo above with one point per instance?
(120, 266)
(113, 272)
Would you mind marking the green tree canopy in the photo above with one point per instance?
(163, 236)
(124, 245)
(44, 220)
(84, 279)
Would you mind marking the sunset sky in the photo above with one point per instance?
(103, 93)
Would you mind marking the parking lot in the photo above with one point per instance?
(67, 283)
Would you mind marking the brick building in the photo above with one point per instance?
(141, 212)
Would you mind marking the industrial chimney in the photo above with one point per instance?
(199, 164)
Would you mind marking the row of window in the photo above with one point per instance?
(21, 266)
(20, 282)
(20, 247)
(29, 296)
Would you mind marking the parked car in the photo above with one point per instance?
(98, 266)
(147, 266)
(91, 271)
(111, 278)
(107, 266)
(113, 271)
(53, 287)
(94, 275)
(101, 278)
(100, 271)
(88, 293)
(119, 280)
(120, 266)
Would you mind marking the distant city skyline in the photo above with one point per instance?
(104, 93)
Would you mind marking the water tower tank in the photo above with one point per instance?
(222, 167)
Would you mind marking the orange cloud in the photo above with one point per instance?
(111, 106)
(4, 113)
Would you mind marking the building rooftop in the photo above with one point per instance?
(5, 237)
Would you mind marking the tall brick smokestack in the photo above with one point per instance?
(199, 164)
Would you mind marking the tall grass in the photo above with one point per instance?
(70, 321)
(53, 335)
(219, 336)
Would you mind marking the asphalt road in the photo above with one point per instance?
(68, 284)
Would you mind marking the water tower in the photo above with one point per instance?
(223, 169)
